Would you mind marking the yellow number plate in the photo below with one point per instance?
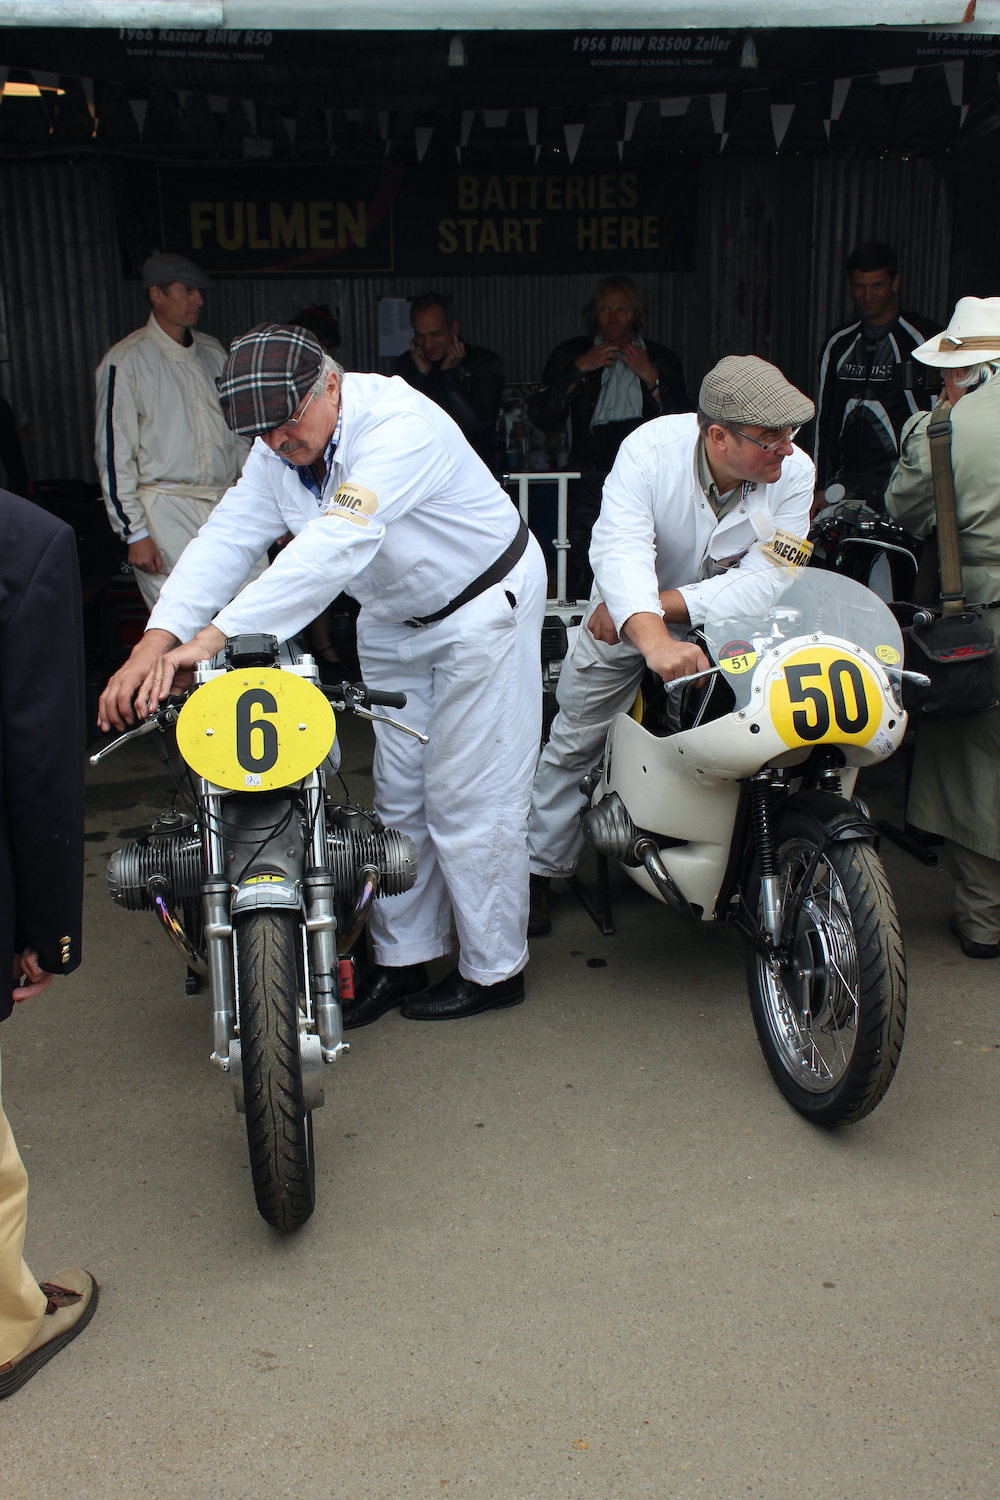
(823, 696)
(253, 731)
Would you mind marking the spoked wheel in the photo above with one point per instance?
(279, 1130)
(830, 1022)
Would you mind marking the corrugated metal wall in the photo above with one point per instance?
(772, 237)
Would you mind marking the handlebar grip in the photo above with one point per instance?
(386, 700)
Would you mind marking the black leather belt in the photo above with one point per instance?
(494, 573)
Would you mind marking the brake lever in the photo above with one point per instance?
(160, 720)
(393, 724)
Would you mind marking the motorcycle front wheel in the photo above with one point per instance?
(279, 1129)
(830, 1023)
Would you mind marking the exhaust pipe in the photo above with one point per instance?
(609, 829)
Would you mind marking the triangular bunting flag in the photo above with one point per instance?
(718, 107)
(574, 135)
(826, 127)
(458, 152)
(468, 115)
(531, 126)
(621, 149)
(670, 108)
(841, 88)
(965, 111)
(953, 72)
(383, 124)
(781, 118)
(538, 152)
(722, 141)
(631, 115)
(139, 110)
(895, 75)
(422, 137)
(495, 119)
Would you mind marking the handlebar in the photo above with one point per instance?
(386, 700)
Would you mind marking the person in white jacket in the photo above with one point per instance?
(689, 498)
(164, 453)
(385, 498)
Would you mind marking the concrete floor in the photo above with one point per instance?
(581, 1248)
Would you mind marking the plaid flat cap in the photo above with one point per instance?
(269, 372)
(743, 388)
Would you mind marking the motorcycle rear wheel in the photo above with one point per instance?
(279, 1129)
(831, 1025)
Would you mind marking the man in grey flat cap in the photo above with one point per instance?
(689, 498)
(164, 452)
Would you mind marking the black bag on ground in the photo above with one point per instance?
(952, 646)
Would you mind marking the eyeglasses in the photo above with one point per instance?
(775, 444)
(294, 421)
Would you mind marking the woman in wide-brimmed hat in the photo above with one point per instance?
(955, 791)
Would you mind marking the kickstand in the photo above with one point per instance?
(599, 912)
(909, 845)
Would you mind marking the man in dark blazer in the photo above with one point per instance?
(41, 873)
(605, 384)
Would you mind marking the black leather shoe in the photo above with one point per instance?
(974, 950)
(456, 997)
(382, 989)
(539, 917)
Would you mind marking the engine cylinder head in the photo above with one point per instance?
(176, 857)
(391, 853)
(609, 828)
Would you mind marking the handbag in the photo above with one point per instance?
(951, 645)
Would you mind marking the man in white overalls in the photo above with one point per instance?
(689, 497)
(386, 500)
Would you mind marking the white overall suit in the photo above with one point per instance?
(657, 530)
(164, 453)
(407, 518)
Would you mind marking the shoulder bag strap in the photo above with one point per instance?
(939, 437)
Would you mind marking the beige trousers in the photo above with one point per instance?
(976, 905)
(22, 1303)
(173, 520)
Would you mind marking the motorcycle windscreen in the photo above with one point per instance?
(756, 610)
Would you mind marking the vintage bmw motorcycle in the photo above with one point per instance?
(264, 884)
(732, 801)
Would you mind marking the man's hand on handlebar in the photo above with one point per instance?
(172, 669)
(665, 656)
(115, 708)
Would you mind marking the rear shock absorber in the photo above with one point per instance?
(770, 900)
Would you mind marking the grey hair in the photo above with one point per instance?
(327, 368)
(977, 375)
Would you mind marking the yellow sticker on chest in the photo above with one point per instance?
(352, 502)
(255, 730)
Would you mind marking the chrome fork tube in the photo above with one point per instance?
(321, 925)
(218, 931)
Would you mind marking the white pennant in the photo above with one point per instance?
(495, 119)
(631, 115)
(841, 88)
(422, 135)
(621, 149)
(139, 110)
(896, 75)
(954, 73)
(531, 126)
(468, 116)
(574, 135)
(781, 118)
(718, 105)
(670, 108)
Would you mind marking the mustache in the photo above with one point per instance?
(290, 445)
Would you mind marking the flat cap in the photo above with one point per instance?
(743, 388)
(269, 372)
(161, 270)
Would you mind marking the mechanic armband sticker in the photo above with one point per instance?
(787, 551)
(354, 503)
(737, 656)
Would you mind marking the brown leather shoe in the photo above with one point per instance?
(72, 1301)
(539, 916)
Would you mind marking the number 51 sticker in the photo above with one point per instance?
(256, 730)
(822, 697)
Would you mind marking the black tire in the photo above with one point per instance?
(835, 1070)
(279, 1130)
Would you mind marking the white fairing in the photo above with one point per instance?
(686, 786)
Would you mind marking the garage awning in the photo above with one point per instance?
(517, 15)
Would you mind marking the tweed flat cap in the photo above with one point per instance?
(743, 388)
(269, 372)
(161, 270)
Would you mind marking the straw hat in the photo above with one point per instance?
(971, 338)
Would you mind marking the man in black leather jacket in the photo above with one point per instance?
(465, 380)
(605, 383)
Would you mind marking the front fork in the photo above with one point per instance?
(770, 894)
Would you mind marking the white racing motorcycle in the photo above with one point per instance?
(739, 808)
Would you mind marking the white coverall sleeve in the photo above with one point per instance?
(401, 462)
(214, 563)
(790, 514)
(116, 447)
(623, 542)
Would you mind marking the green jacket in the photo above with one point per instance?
(955, 790)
